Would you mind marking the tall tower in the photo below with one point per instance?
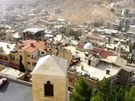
(49, 79)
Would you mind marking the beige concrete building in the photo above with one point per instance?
(96, 39)
(31, 51)
(49, 79)
(7, 56)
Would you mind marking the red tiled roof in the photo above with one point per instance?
(103, 53)
(32, 45)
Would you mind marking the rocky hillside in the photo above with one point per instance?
(79, 11)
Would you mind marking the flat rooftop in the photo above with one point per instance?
(112, 46)
(14, 91)
(7, 47)
(11, 73)
(99, 71)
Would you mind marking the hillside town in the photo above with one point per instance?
(44, 56)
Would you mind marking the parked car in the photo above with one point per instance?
(3, 80)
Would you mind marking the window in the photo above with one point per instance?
(130, 74)
(28, 55)
(70, 89)
(48, 89)
(70, 80)
(28, 63)
(42, 53)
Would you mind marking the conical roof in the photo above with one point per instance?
(51, 65)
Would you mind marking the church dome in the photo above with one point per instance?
(88, 46)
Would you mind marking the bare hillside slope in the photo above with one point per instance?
(76, 11)
(79, 11)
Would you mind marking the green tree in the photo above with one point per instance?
(130, 96)
(104, 87)
(81, 92)
(111, 92)
(127, 96)
(21, 66)
(116, 93)
(97, 97)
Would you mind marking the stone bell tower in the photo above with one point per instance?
(49, 79)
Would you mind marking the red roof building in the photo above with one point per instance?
(102, 53)
(31, 46)
(96, 38)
